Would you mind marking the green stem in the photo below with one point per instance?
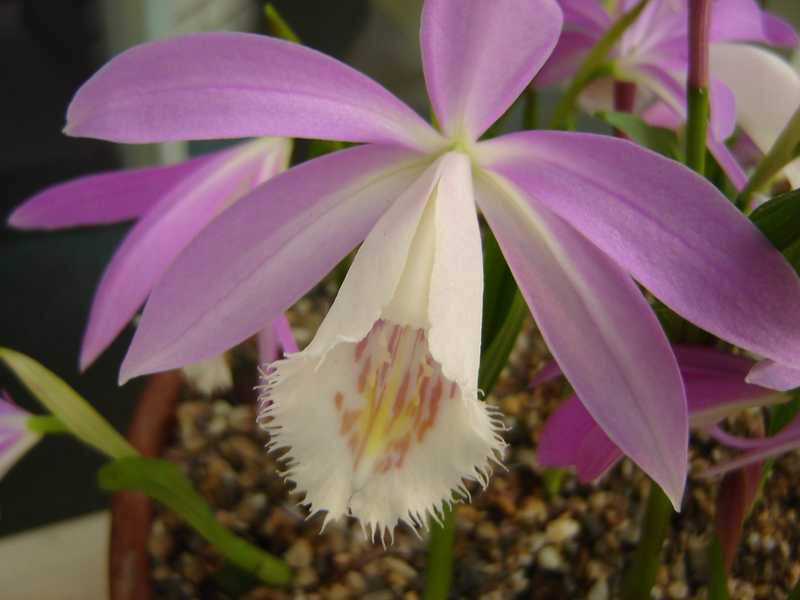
(696, 127)
(641, 573)
(251, 559)
(595, 65)
(697, 84)
(439, 567)
(46, 424)
(718, 578)
(503, 334)
(782, 152)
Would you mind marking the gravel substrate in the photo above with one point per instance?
(513, 541)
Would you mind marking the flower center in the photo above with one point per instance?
(396, 399)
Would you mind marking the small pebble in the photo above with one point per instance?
(562, 529)
(550, 559)
(300, 554)
(678, 590)
(599, 591)
(305, 577)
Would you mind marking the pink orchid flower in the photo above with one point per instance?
(15, 437)
(172, 204)
(715, 390)
(653, 54)
(380, 413)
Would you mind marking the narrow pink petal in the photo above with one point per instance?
(572, 438)
(599, 328)
(260, 256)
(155, 241)
(714, 381)
(786, 441)
(723, 110)
(711, 362)
(567, 56)
(775, 376)
(734, 441)
(661, 114)
(283, 332)
(668, 227)
(275, 340)
(104, 198)
(714, 389)
(227, 85)
(478, 56)
(744, 21)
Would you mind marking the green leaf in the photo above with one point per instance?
(277, 25)
(75, 413)
(495, 357)
(499, 288)
(779, 219)
(781, 414)
(718, 578)
(166, 483)
(658, 139)
(792, 255)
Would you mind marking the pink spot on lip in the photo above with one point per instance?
(349, 419)
(360, 347)
(362, 377)
(430, 420)
(400, 400)
(394, 341)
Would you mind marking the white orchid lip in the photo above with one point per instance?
(380, 414)
(402, 388)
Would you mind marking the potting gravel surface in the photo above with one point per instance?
(514, 540)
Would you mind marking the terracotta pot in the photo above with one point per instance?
(131, 513)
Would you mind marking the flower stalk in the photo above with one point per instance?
(697, 84)
(439, 566)
(641, 574)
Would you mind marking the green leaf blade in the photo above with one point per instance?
(72, 410)
(166, 483)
